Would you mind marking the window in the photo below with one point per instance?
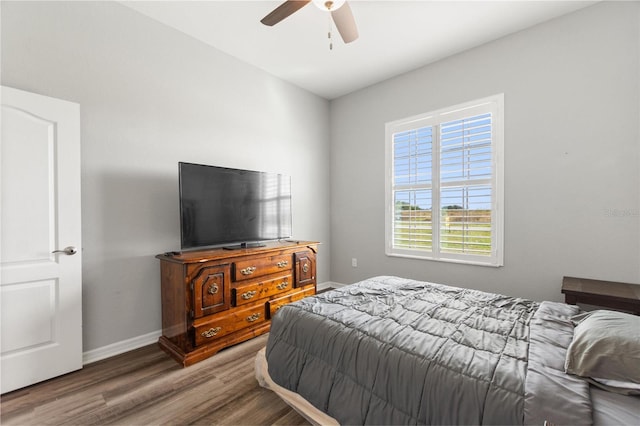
(444, 196)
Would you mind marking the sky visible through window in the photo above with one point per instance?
(465, 156)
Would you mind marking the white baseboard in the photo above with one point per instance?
(329, 284)
(120, 347)
(149, 338)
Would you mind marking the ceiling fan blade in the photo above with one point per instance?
(345, 23)
(287, 8)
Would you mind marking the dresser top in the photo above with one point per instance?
(198, 256)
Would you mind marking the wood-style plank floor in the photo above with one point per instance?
(145, 386)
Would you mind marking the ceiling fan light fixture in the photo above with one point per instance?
(340, 14)
(329, 5)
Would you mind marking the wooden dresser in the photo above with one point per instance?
(216, 298)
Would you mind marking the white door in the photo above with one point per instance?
(40, 291)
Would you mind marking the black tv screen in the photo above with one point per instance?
(221, 206)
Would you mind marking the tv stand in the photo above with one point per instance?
(215, 298)
(243, 246)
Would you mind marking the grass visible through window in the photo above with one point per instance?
(462, 231)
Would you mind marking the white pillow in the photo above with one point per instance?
(606, 349)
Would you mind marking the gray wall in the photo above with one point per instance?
(572, 154)
(150, 97)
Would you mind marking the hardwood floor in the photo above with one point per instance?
(145, 386)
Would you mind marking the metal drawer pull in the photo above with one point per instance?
(211, 332)
(253, 317)
(248, 295)
(248, 270)
(213, 289)
(282, 264)
(282, 285)
(305, 268)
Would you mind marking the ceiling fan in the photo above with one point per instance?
(339, 9)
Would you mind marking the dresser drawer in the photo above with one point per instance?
(266, 288)
(206, 331)
(247, 269)
(275, 304)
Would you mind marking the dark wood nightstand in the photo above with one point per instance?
(609, 294)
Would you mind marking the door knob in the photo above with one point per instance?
(69, 251)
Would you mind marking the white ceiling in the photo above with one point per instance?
(395, 36)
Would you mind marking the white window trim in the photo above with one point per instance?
(494, 104)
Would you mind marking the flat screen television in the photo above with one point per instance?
(242, 208)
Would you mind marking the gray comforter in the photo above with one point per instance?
(395, 351)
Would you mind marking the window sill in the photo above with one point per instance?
(492, 263)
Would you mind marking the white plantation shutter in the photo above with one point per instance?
(465, 185)
(444, 184)
(412, 183)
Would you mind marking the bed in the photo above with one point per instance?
(389, 350)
